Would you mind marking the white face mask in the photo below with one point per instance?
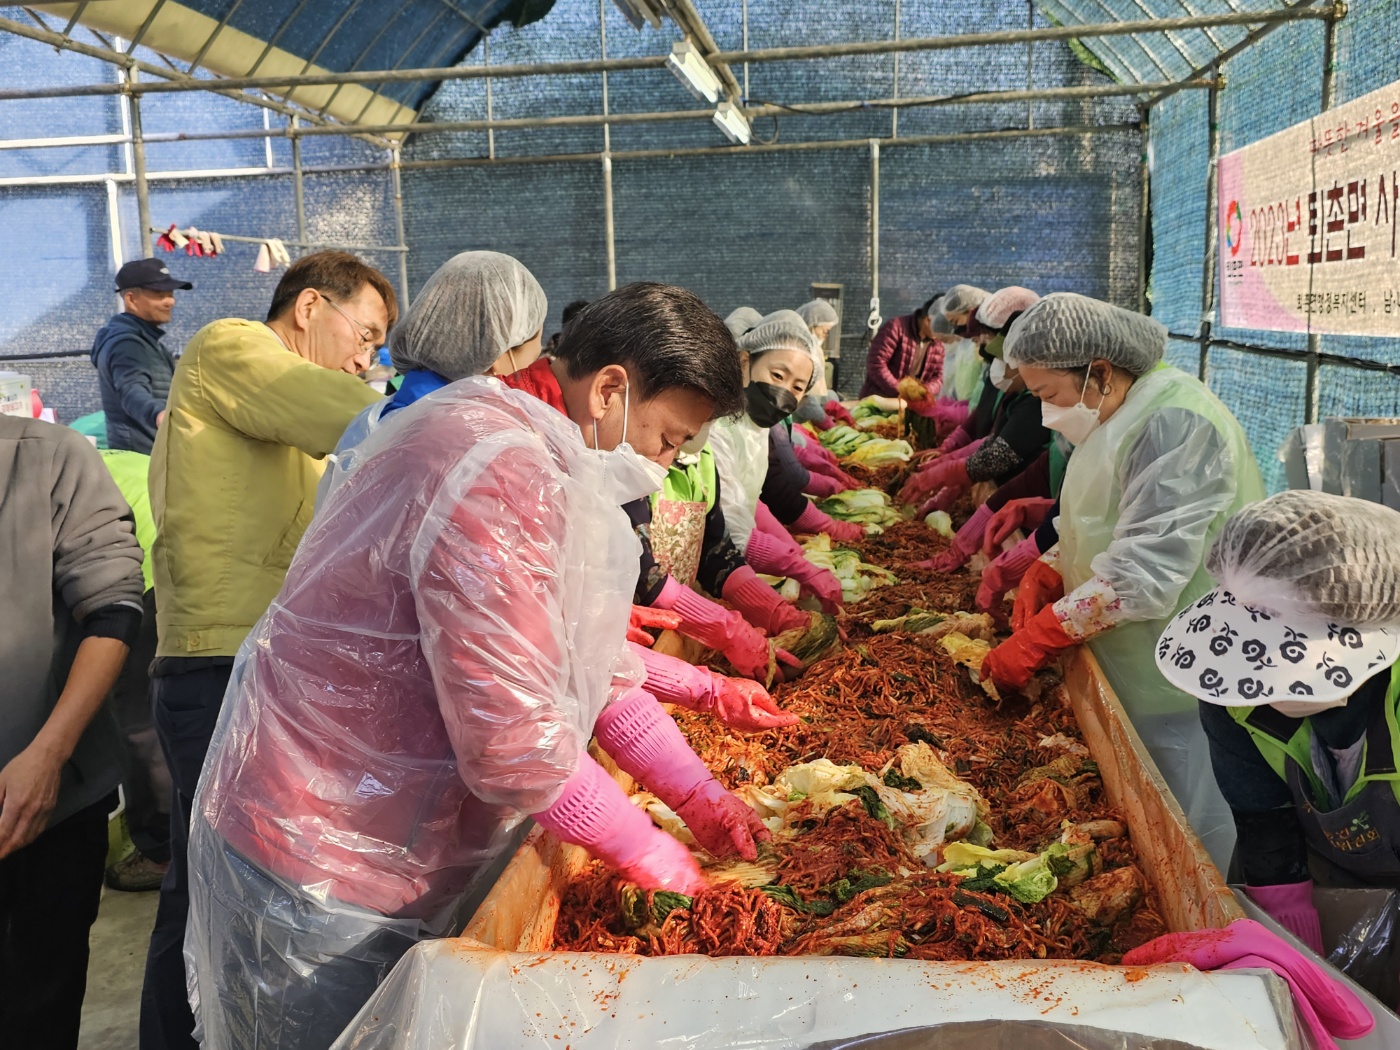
(1076, 422)
(697, 444)
(627, 476)
(1000, 379)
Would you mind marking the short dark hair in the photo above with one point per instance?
(665, 336)
(338, 276)
(572, 310)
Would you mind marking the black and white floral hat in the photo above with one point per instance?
(1226, 652)
(1307, 607)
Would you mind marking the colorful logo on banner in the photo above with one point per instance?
(1310, 241)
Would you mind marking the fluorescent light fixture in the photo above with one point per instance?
(693, 71)
(730, 120)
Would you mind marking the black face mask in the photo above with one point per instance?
(769, 405)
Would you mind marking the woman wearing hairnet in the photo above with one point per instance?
(1293, 658)
(449, 636)
(1159, 464)
(820, 406)
(905, 347)
(777, 364)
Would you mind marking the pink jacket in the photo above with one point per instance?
(892, 351)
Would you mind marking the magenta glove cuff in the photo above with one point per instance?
(956, 440)
(1292, 905)
(771, 555)
(819, 484)
(811, 520)
(964, 452)
(674, 681)
(754, 598)
(969, 538)
(705, 621)
(1010, 566)
(645, 742)
(592, 812)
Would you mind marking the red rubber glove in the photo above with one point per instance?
(1326, 1007)
(1041, 585)
(1031, 648)
(592, 812)
(760, 604)
(644, 741)
(941, 473)
(1004, 573)
(946, 498)
(1024, 514)
(656, 619)
(839, 413)
(965, 543)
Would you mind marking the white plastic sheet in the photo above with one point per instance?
(455, 995)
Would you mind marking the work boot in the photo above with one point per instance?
(136, 873)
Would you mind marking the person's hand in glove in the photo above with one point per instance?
(941, 473)
(1041, 585)
(1003, 574)
(1031, 648)
(1326, 1007)
(822, 485)
(838, 413)
(812, 520)
(1026, 514)
(781, 556)
(822, 585)
(644, 620)
(945, 500)
(592, 812)
(644, 741)
(737, 702)
(965, 543)
(721, 629)
(760, 604)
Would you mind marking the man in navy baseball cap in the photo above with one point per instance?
(133, 366)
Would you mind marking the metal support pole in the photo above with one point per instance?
(1144, 213)
(138, 164)
(894, 113)
(874, 320)
(298, 184)
(1030, 63)
(114, 225)
(490, 111)
(608, 221)
(394, 173)
(1313, 407)
(1212, 235)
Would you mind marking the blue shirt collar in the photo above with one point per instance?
(416, 384)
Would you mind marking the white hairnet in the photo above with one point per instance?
(741, 320)
(940, 324)
(1065, 330)
(783, 330)
(818, 312)
(961, 298)
(997, 308)
(473, 309)
(1311, 556)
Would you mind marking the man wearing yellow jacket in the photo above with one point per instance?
(254, 408)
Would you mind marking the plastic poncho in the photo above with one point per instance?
(741, 457)
(1142, 500)
(430, 673)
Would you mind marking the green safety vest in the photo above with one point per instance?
(1089, 511)
(1059, 462)
(692, 483)
(1267, 728)
(130, 471)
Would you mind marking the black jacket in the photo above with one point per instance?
(133, 370)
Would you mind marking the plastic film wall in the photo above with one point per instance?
(1271, 86)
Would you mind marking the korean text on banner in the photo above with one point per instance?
(1308, 224)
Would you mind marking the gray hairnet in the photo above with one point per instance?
(741, 320)
(997, 308)
(818, 312)
(936, 321)
(1312, 556)
(473, 309)
(1065, 330)
(783, 330)
(961, 298)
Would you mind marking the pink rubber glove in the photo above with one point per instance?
(644, 619)
(821, 485)
(592, 812)
(966, 451)
(1291, 905)
(933, 478)
(780, 556)
(760, 604)
(1006, 572)
(957, 439)
(812, 520)
(1326, 1007)
(644, 741)
(1025, 514)
(737, 702)
(719, 628)
(812, 456)
(965, 543)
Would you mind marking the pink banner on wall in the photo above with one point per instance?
(1309, 231)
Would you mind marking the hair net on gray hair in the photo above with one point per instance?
(961, 298)
(741, 320)
(473, 309)
(818, 312)
(1065, 330)
(939, 324)
(1311, 556)
(782, 330)
(996, 310)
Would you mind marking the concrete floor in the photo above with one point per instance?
(118, 943)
